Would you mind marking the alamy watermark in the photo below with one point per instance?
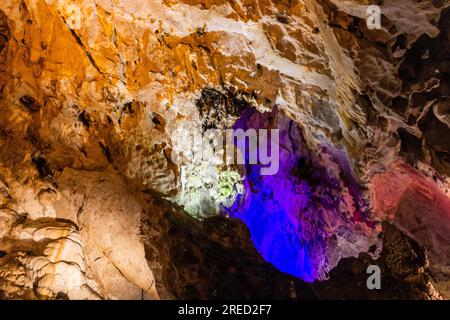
(374, 281)
(373, 17)
(231, 146)
(74, 15)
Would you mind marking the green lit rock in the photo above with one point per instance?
(229, 186)
(204, 189)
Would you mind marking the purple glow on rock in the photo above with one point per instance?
(296, 216)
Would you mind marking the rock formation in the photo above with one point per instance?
(102, 196)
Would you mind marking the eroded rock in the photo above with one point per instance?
(96, 97)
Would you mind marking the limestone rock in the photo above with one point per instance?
(96, 98)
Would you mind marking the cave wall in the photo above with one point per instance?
(93, 95)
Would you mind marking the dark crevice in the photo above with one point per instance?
(85, 118)
(216, 107)
(42, 166)
(411, 147)
(106, 152)
(30, 103)
(83, 47)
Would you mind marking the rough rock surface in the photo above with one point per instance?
(215, 259)
(92, 97)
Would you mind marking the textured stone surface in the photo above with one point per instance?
(215, 259)
(93, 95)
(418, 207)
(310, 214)
(82, 242)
